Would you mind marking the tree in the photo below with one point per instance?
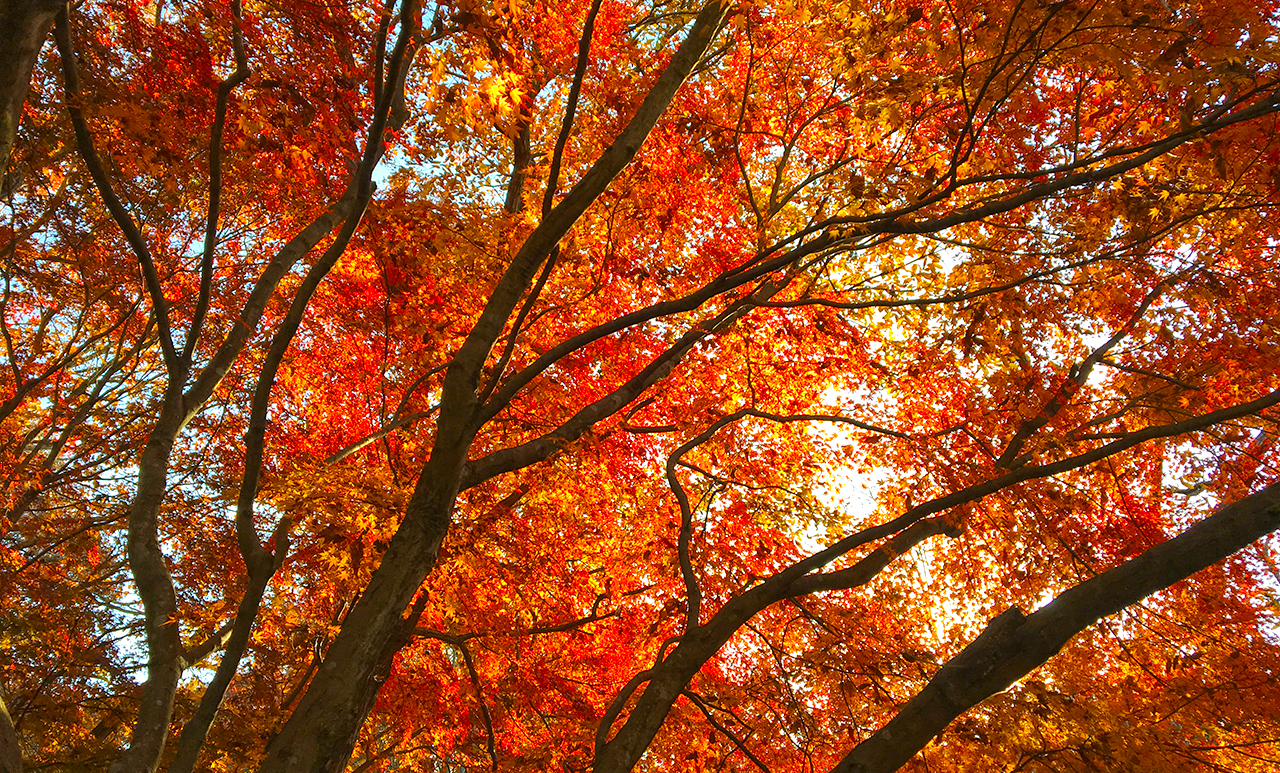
(754, 385)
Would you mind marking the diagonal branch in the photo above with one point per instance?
(1014, 645)
(566, 127)
(260, 562)
(1074, 381)
(671, 675)
(516, 327)
(460, 382)
(683, 542)
(459, 643)
(398, 419)
(1044, 182)
(738, 743)
(215, 641)
(865, 570)
(1149, 374)
(484, 707)
(207, 380)
(541, 448)
(1032, 472)
(387, 429)
(718, 287)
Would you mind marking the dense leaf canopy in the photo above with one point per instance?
(777, 385)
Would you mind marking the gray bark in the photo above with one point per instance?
(166, 655)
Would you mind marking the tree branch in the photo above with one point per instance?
(732, 736)
(668, 678)
(460, 382)
(571, 106)
(1014, 645)
(538, 449)
(260, 563)
(225, 88)
(132, 234)
(1076, 379)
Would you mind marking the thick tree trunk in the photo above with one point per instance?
(10, 754)
(1014, 645)
(155, 587)
(24, 27)
(322, 731)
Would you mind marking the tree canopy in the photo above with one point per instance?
(764, 385)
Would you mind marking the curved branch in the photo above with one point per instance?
(693, 594)
(132, 234)
(669, 677)
(685, 537)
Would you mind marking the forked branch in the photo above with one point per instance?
(671, 675)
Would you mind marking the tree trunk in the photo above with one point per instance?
(321, 734)
(155, 587)
(24, 27)
(322, 731)
(10, 754)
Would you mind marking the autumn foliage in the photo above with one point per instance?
(776, 385)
